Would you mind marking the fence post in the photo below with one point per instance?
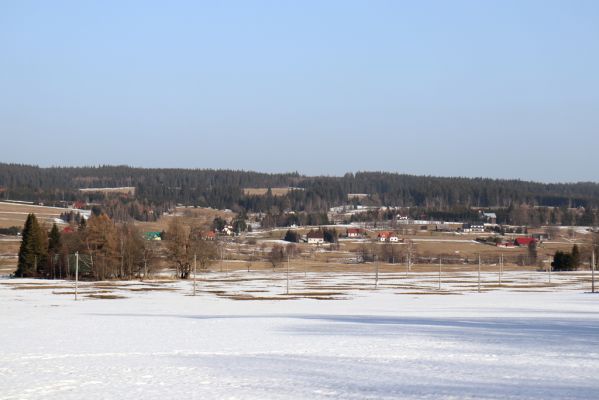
(500, 268)
(593, 272)
(195, 266)
(439, 272)
(76, 274)
(478, 272)
(287, 273)
(376, 273)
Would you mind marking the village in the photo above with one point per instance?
(401, 240)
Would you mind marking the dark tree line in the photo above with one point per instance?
(157, 190)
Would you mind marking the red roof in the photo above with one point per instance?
(353, 230)
(524, 241)
(385, 234)
(79, 204)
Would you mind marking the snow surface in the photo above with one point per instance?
(377, 344)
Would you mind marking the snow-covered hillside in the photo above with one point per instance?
(377, 344)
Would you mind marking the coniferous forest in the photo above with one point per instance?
(157, 190)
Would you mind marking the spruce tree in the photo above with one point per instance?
(33, 250)
(54, 240)
(575, 257)
(54, 244)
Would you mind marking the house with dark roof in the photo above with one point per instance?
(315, 237)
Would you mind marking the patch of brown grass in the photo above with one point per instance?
(151, 289)
(262, 191)
(105, 296)
(33, 286)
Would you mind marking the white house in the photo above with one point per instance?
(315, 237)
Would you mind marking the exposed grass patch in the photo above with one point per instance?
(151, 289)
(30, 287)
(105, 296)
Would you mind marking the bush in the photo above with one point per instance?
(291, 236)
(13, 230)
(563, 261)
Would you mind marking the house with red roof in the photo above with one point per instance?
(524, 241)
(354, 232)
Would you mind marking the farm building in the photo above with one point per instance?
(153, 235)
(384, 236)
(315, 237)
(354, 232)
(210, 235)
(387, 236)
(476, 227)
(489, 217)
(524, 241)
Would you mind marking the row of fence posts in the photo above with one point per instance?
(376, 273)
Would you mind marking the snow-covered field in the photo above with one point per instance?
(166, 344)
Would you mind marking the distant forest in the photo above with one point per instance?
(158, 190)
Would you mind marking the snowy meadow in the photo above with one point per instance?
(333, 336)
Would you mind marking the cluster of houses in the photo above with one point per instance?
(205, 235)
(383, 236)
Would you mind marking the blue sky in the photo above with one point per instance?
(506, 89)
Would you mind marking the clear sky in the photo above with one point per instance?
(505, 89)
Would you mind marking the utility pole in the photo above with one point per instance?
(439, 272)
(593, 271)
(195, 269)
(376, 273)
(500, 268)
(221, 257)
(287, 273)
(76, 274)
(478, 272)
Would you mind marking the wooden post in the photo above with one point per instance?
(439, 272)
(500, 268)
(287, 272)
(195, 269)
(479, 273)
(376, 276)
(76, 274)
(593, 271)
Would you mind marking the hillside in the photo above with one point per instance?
(159, 189)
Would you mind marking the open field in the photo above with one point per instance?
(282, 191)
(119, 190)
(195, 216)
(236, 339)
(14, 214)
